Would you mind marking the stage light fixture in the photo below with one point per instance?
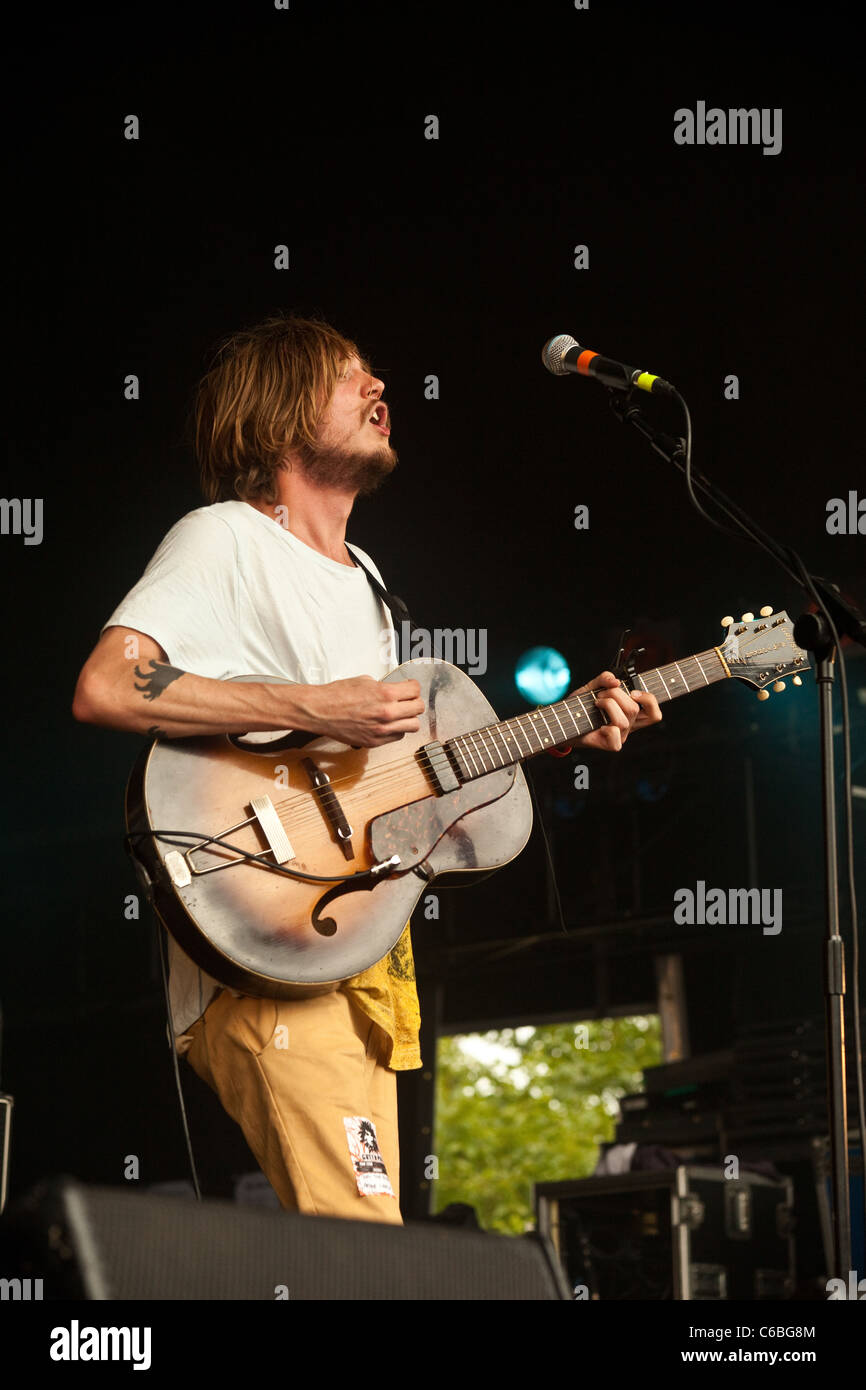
(542, 675)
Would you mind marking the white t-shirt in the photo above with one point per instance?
(230, 592)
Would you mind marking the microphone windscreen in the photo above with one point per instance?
(554, 351)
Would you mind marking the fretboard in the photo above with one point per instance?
(512, 740)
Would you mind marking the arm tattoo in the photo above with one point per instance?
(156, 732)
(157, 679)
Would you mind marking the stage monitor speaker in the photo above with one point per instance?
(109, 1243)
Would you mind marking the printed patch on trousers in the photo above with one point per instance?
(370, 1172)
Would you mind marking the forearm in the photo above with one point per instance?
(153, 697)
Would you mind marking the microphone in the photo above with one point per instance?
(562, 355)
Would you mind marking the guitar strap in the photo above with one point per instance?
(399, 611)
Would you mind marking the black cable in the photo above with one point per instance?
(550, 868)
(202, 841)
(797, 570)
(738, 531)
(849, 848)
(173, 1046)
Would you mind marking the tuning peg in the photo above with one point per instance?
(766, 611)
(763, 694)
(797, 681)
(726, 622)
(748, 617)
(779, 685)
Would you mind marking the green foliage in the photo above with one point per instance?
(535, 1109)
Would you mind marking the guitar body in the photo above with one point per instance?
(268, 935)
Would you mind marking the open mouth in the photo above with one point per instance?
(379, 419)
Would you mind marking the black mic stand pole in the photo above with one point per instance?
(814, 633)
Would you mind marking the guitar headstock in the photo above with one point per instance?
(762, 652)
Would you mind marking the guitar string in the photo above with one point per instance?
(375, 776)
(568, 704)
(494, 730)
(476, 746)
(394, 765)
(391, 773)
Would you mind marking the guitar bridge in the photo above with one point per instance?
(327, 799)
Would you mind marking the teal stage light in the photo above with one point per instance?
(542, 675)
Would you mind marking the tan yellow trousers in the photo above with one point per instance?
(306, 1082)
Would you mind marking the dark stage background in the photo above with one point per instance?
(450, 257)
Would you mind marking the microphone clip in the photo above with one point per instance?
(674, 450)
(622, 403)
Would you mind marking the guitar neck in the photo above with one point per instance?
(513, 740)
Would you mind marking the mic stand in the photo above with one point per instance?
(814, 633)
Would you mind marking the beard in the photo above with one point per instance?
(345, 469)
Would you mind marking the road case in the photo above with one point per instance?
(678, 1233)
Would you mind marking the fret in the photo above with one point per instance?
(696, 674)
(587, 716)
(690, 674)
(475, 770)
(533, 726)
(664, 682)
(664, 685)
(540, 714)
(544, 741)
(500, 732)
(497, 729)
(565, 736)
(461, 760)
(534, 730)
(494, 751)
(483, 751)
(573, 717)
(509, 743)
(517, 729)
(501, 744)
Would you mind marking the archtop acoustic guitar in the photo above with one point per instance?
(284, 864)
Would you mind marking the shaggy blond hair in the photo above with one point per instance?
(264, 394)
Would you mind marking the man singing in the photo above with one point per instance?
(290, 429)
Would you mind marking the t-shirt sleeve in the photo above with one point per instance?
(187, 598)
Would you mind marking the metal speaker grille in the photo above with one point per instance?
(553, 352)
(137, 1246)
